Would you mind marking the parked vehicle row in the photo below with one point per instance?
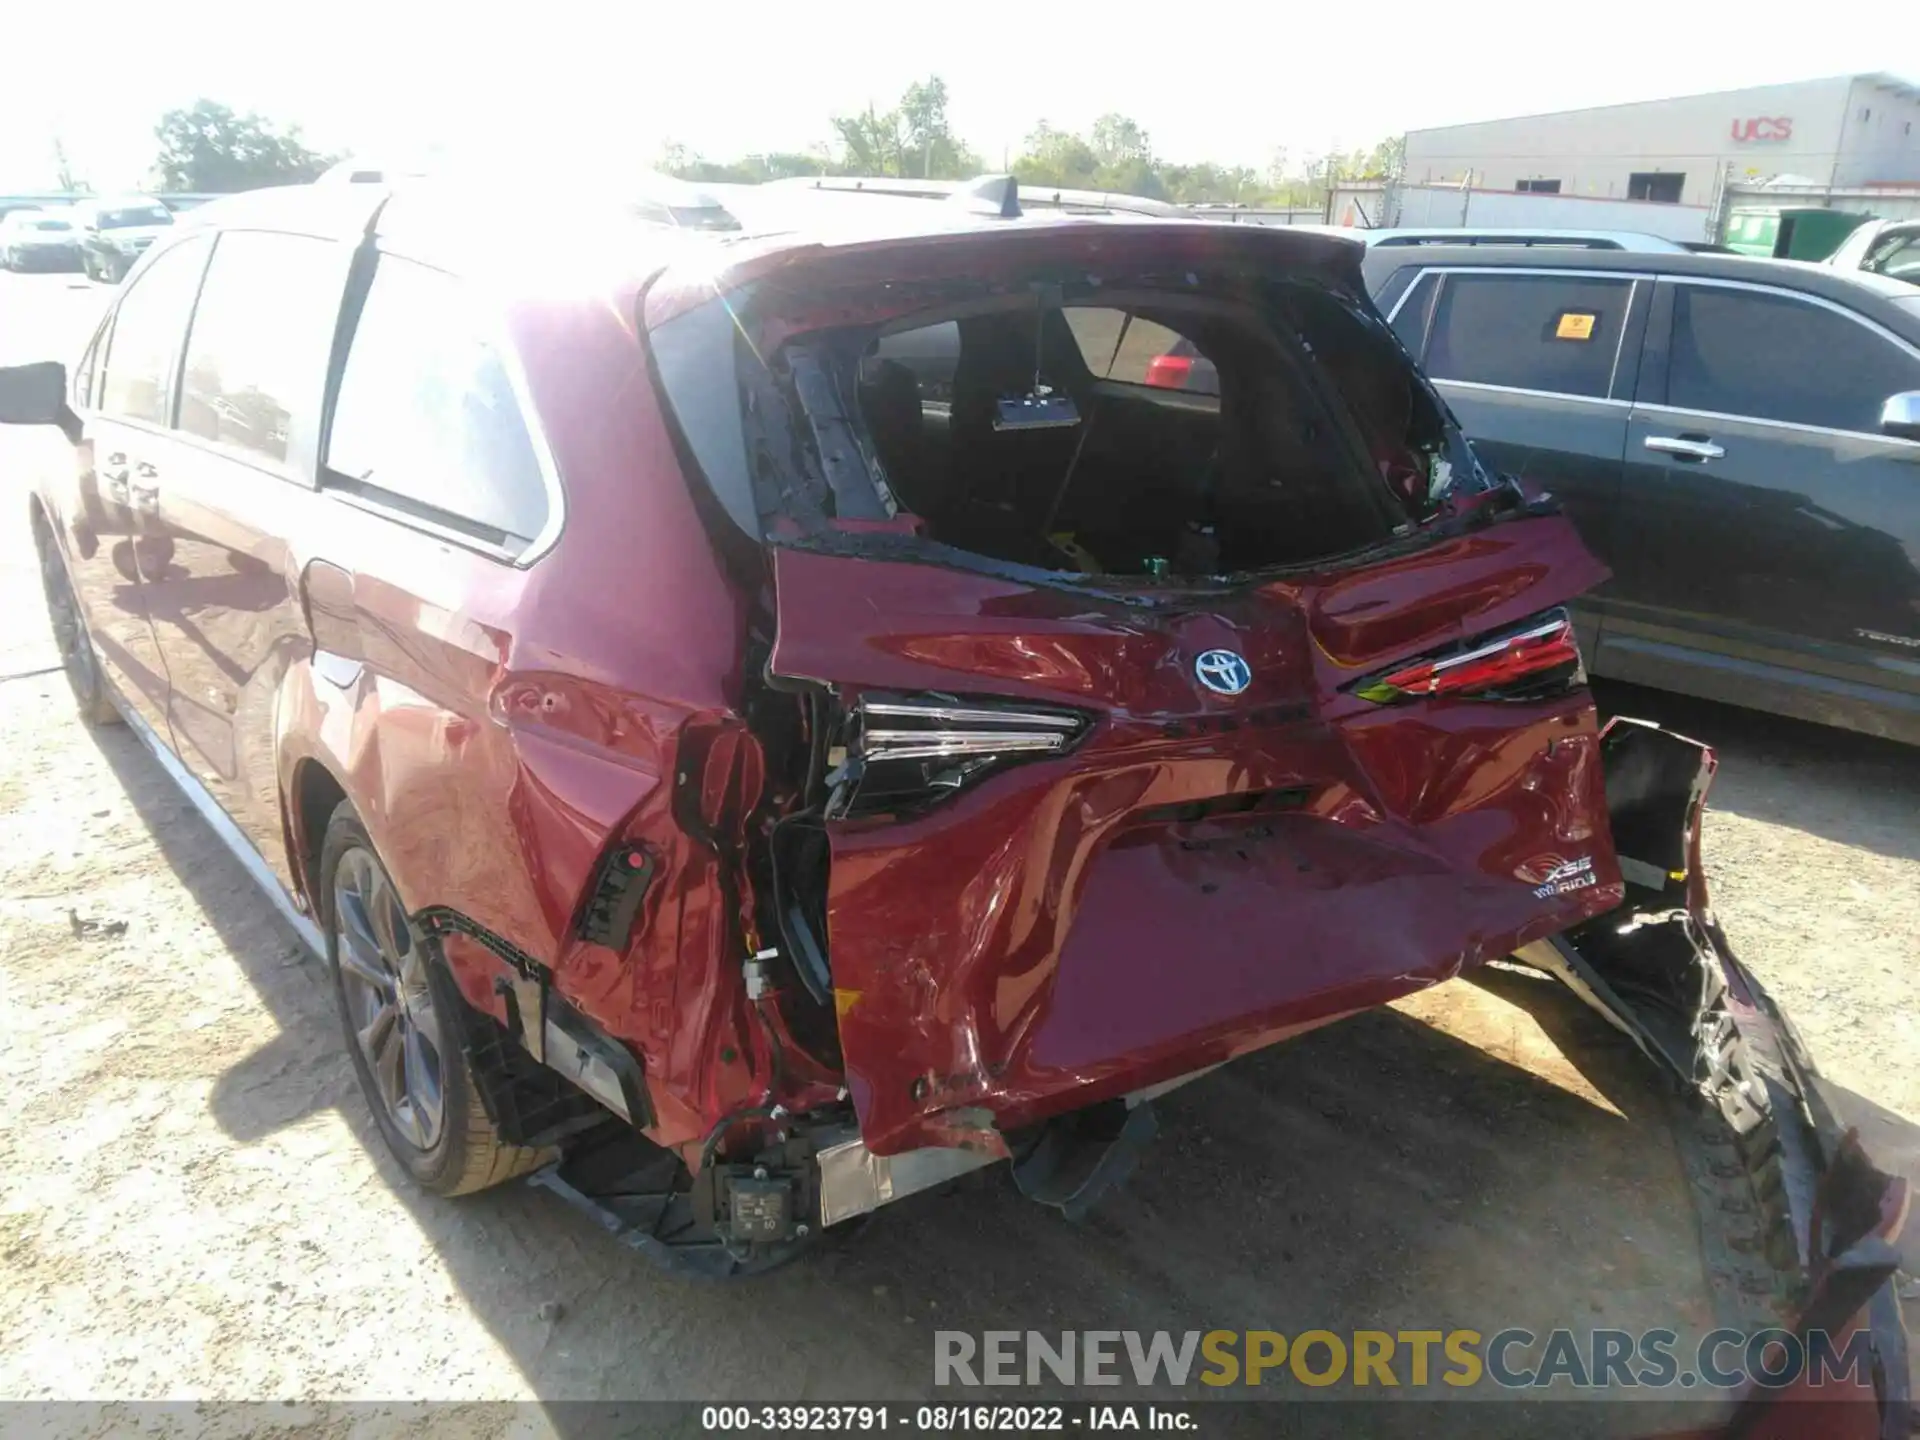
(102, 238)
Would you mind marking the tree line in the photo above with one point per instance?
(915, 140)
(209, 148)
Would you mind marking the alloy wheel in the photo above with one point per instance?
(390, 1002)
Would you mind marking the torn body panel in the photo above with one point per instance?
(1660, 970)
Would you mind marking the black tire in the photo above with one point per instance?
(463, 1153)
(78, 657)
(153, 555)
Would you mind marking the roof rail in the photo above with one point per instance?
(1031, 196)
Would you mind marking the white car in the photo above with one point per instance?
(1882, 247)
(38, 240)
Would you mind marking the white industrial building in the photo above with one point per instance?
(1843, 132)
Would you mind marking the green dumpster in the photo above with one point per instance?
(1804, 234)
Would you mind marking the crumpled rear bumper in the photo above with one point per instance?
(1827, 1220)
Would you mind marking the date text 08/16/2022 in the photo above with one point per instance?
(947, 1419)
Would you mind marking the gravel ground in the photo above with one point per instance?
(194, 1204)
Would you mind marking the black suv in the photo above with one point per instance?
(115, 233)
(1738, 439)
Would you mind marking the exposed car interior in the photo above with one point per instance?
(1308, 450)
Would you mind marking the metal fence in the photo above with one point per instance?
(1374, 205)
(1883, 202)
(1371, 205)
(1259, 215)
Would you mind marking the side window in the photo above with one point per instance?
(262, 333)
(426, 414)
(81, 390)
(149, 325)
(1410, 318)
(1531, 332)
(1663, 186)
(929, 353)
(1137, 351)
(1743, 352)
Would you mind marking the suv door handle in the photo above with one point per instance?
(116, 467)
(1687, 447)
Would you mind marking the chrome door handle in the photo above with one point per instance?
(146, 496)
(1686, 449)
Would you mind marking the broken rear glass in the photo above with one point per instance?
(1128, 425)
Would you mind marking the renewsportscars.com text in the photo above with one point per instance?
(1512, 1359)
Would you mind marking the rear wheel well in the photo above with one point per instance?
(316, 795)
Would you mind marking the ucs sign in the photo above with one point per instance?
(1763, 127)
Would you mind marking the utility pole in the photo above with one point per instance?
(1719, 206)
(64, 178)
(1390, 189)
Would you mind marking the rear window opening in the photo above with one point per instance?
(1203, 429)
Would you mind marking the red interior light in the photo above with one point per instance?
(1169, 372)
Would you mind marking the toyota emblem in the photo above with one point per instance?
(1223, 672)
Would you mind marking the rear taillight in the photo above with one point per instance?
(1539, 658)
(1170, 372)
(905, 753)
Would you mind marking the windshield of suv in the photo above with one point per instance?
(44, 222)
(1055, 437)
(686, 217)
(1896, 255)
(135, 215)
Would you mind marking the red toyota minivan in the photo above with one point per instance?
(761, 724)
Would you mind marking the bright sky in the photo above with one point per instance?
(1227, 80)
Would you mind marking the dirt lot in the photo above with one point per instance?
(194, 1204)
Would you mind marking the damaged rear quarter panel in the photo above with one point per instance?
(1039, 947)
(504, 725)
